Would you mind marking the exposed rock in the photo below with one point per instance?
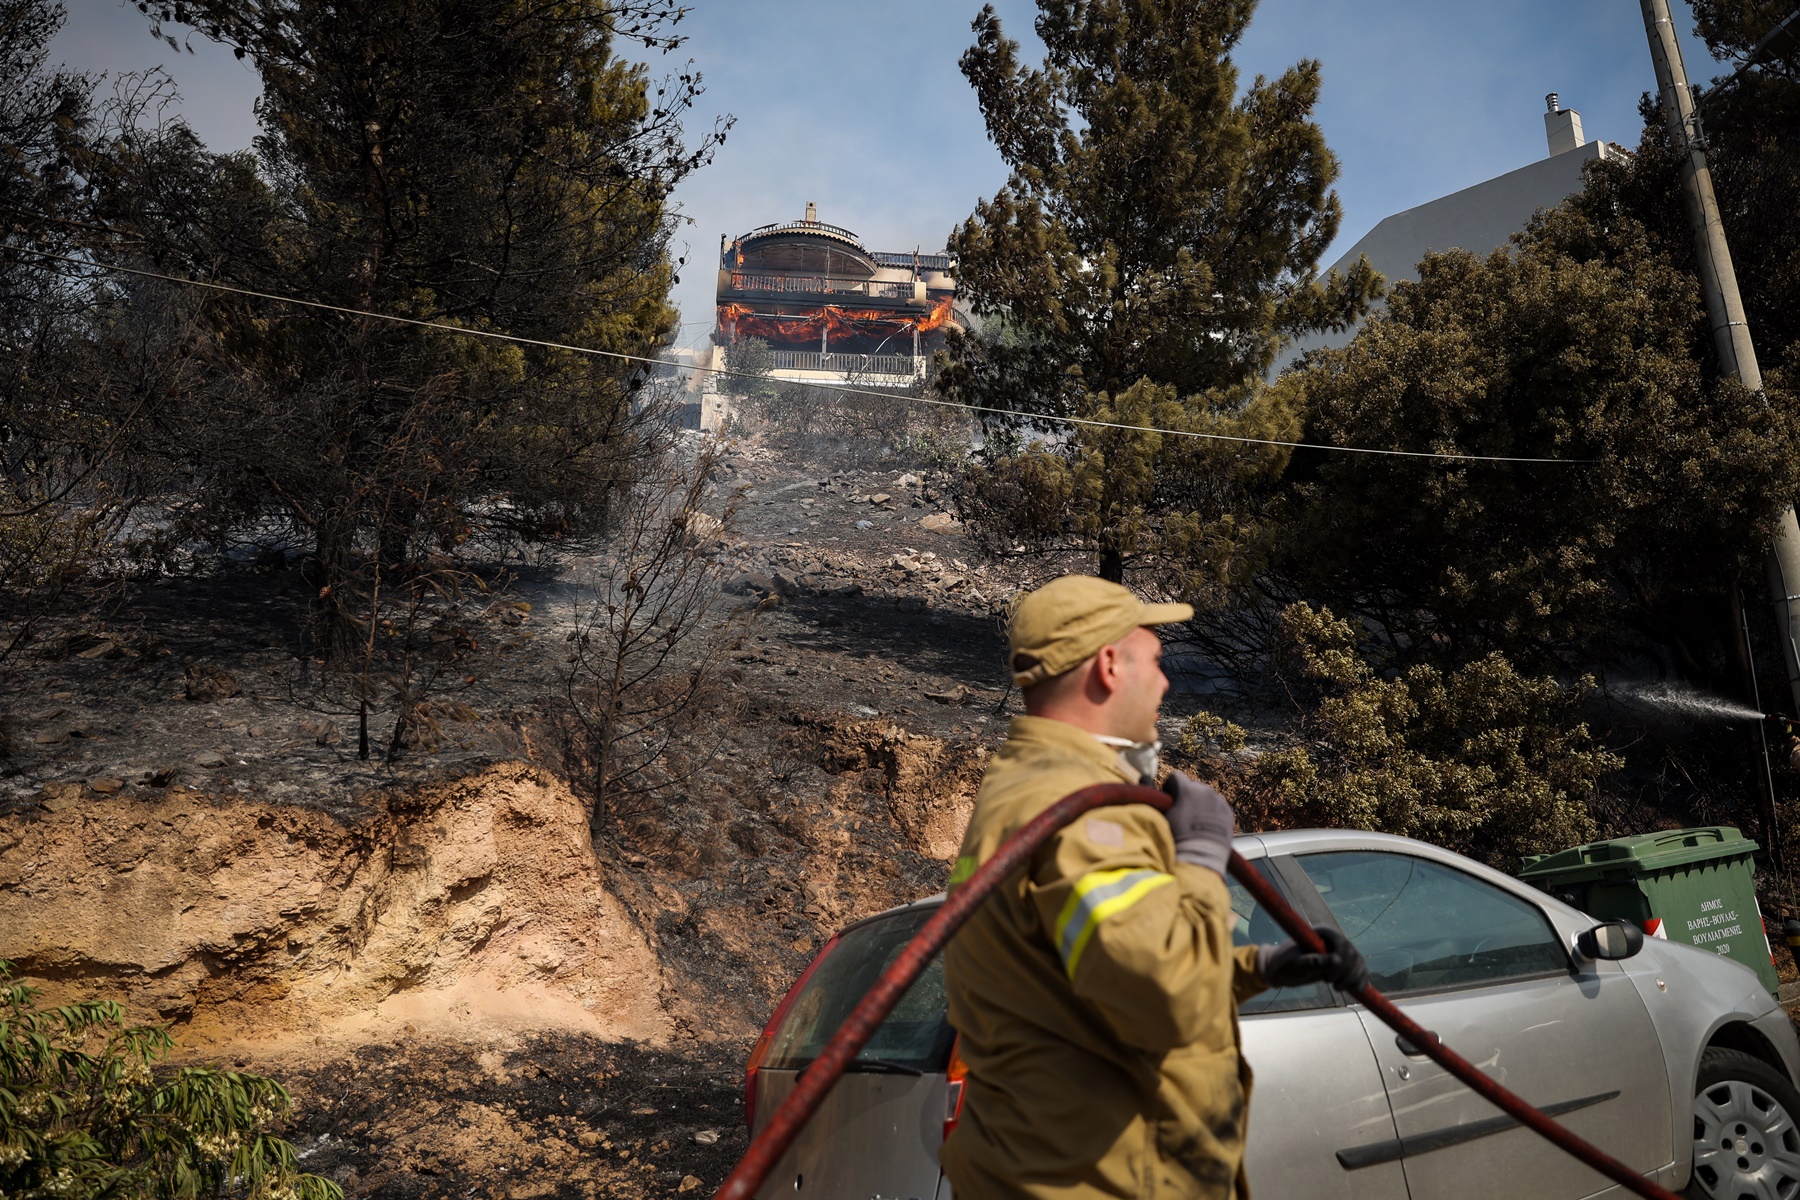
(880, 498)
(205, 683)
(98, 644)
(105, 785)
(321, 731)
(940, 522)
(702, 527)
(210, 759)
(745, 585)
(910, 604)
(510, 612)
(955, 696)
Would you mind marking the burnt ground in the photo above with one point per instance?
(864, 621)
(862, 682)
(559, 1116)
(860, 688)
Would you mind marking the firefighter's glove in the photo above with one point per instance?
(1201, 822)
(1288, 964)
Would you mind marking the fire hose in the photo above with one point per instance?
(774, 1138)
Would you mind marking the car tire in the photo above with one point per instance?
(1746, 1140)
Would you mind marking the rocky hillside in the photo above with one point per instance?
(468, 990)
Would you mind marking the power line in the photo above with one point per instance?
(841, 390)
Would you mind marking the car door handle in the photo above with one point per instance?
(1410, 1050)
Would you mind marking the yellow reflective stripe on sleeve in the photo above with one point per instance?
(965, 867)
(1097, 896)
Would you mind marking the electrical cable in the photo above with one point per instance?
(838, 390)
(774, 1138)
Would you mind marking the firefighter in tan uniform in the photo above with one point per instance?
(1095, 993)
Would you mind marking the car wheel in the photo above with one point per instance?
(1746, 1143)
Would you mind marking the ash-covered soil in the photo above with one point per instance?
(206, 682)
(556, 1116)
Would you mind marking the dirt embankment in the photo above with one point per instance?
(460, 908)
(470, 909)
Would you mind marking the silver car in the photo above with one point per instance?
(1675, 1060)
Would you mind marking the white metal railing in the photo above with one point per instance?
(821, 285)
(853, 365)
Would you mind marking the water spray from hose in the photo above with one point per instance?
(1687, 702)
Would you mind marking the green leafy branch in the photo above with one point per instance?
(85, 1114)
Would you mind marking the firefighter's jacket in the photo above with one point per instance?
(1095, 996)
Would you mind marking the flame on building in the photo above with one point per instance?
(819, 298)
(838, 324)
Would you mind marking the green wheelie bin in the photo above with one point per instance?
(1685, 885)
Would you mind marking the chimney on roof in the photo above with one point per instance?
(812, 213)
(1562, 126)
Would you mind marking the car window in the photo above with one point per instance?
(1422, 925)
(1252, 925)
(916, 1034)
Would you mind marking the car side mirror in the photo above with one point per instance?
(1610, 940)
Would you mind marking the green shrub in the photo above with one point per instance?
(1479, 759)
(85, 1115)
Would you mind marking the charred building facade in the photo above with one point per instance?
(831, 310)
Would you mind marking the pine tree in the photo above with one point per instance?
(494, 164)
(1155, 245)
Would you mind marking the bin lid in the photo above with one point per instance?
(1638, 855)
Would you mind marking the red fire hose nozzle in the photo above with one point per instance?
(773, 1139)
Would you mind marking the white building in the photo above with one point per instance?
(1478, 219)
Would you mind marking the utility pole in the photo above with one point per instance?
(1725, 313)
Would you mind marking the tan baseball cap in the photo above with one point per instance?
(1068, 620)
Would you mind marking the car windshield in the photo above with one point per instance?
(916, 1036)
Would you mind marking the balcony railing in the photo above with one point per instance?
(925, 262)
(815, 285)
(851, 366)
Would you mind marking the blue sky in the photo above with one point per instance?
(858, 105)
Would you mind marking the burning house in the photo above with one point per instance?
(832, 311)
